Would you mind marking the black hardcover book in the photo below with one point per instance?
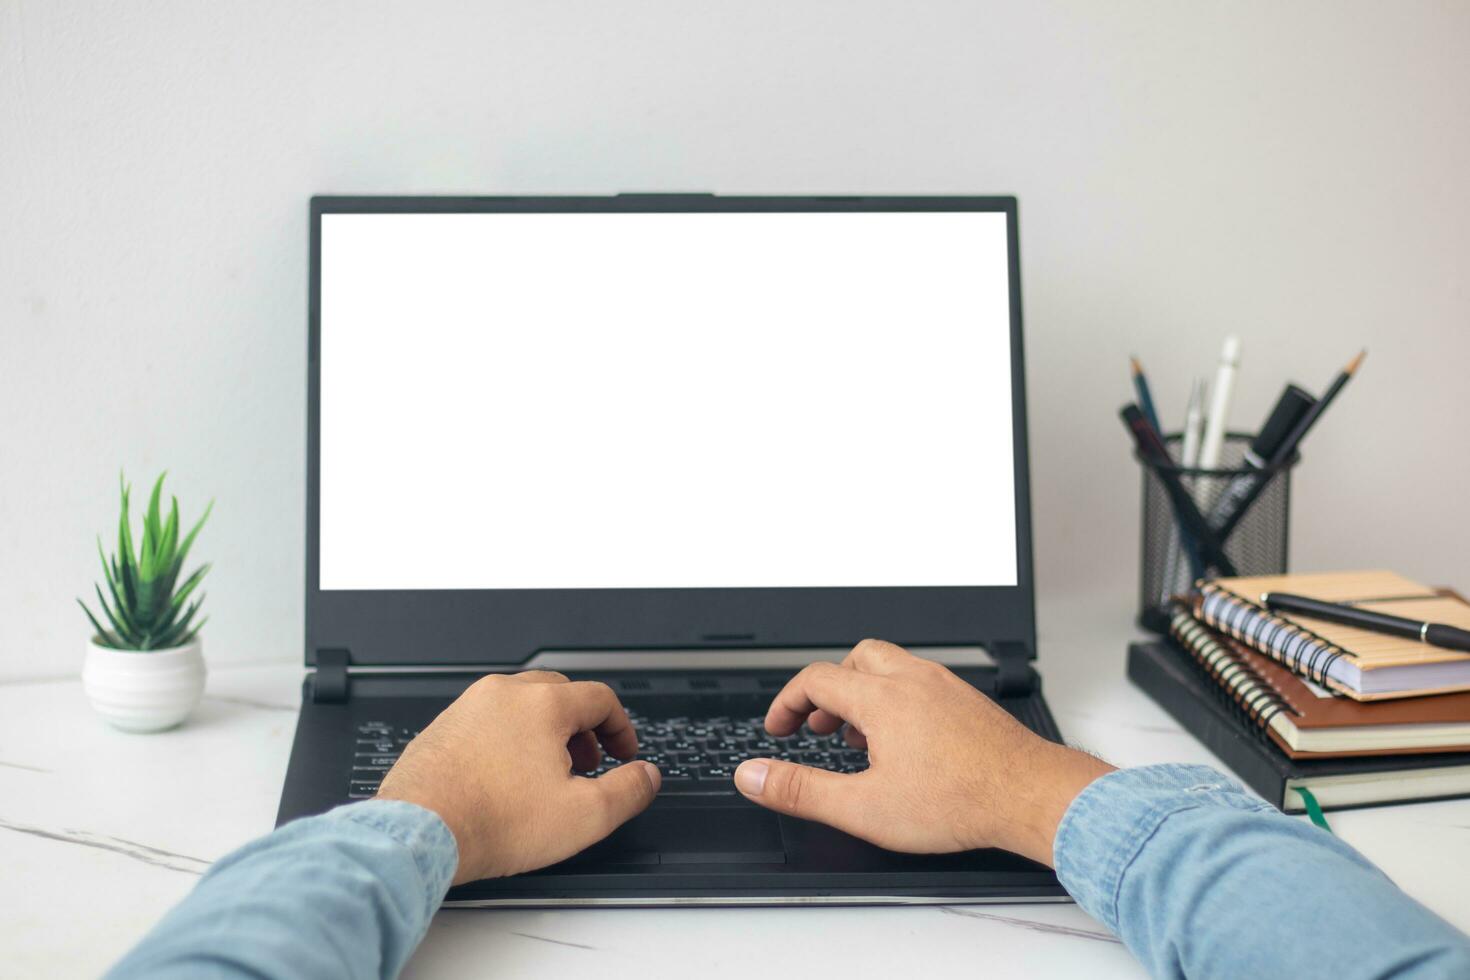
(1173, 679)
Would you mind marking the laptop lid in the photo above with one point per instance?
(663, 422)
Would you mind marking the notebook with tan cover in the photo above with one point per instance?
(1363, 664)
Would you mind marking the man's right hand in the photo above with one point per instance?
(949, 769)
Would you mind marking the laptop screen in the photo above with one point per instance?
(665, 400)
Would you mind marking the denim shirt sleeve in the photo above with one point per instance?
(1201, 879)
(345, 894)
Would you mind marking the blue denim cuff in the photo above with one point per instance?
(1110, 821)
(428, 840)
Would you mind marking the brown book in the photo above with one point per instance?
(1305, 720)
(1360, 663)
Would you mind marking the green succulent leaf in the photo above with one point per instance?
(112, 588)
(125, 547)
(189, 538)
(118, 628)
(181, 595)
(107, 638)
(147, 573)
(170, 535)
(189, 636)
(123, 574)
(170, 619)
(147, 607)
(170, 637)
(152, 525)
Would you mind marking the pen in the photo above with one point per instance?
(1194, 424)
(1435, 634)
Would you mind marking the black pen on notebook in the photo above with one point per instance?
(1435, 634)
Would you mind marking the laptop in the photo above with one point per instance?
(683, 444)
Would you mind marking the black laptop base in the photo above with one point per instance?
(700, 843)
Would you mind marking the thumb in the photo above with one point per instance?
(620, 795)
(801, 791)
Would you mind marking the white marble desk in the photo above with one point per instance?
(100, 832)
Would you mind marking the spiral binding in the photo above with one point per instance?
(1303, 651)
(1239, 685)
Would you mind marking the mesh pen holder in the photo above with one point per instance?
(1253, 544)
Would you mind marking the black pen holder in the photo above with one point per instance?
(1254, 543)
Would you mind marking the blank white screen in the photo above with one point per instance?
(665, 400)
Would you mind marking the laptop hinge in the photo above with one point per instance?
(1014, 675)
(329, 685)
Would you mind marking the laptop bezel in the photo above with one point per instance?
(410, 628)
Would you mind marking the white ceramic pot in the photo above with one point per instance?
(144, 690)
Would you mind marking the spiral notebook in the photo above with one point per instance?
(1360, 663)
(1173, 679)
(1308, 722)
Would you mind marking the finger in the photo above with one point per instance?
(855, 739)
(618, 796)
(823, 722)
(592, 706)
(838, 691)
(541, 677)
(801, 791)
(582, 747)
(877, 657)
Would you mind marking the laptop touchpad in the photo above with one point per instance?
(740, 834)
(717, 835)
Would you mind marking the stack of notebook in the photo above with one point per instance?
(1353, 717)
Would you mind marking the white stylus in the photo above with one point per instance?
(1214, 440)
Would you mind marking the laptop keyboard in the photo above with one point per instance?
(697, 756)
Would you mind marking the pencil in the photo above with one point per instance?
(1145, 397)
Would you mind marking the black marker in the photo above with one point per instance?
(1291, 407)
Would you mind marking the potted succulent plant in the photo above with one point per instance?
(144, 669)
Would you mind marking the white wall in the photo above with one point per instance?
(1296, 173)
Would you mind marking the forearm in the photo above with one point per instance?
(348, 893)
(1200, 879)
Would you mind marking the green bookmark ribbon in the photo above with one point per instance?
(1314, 809)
